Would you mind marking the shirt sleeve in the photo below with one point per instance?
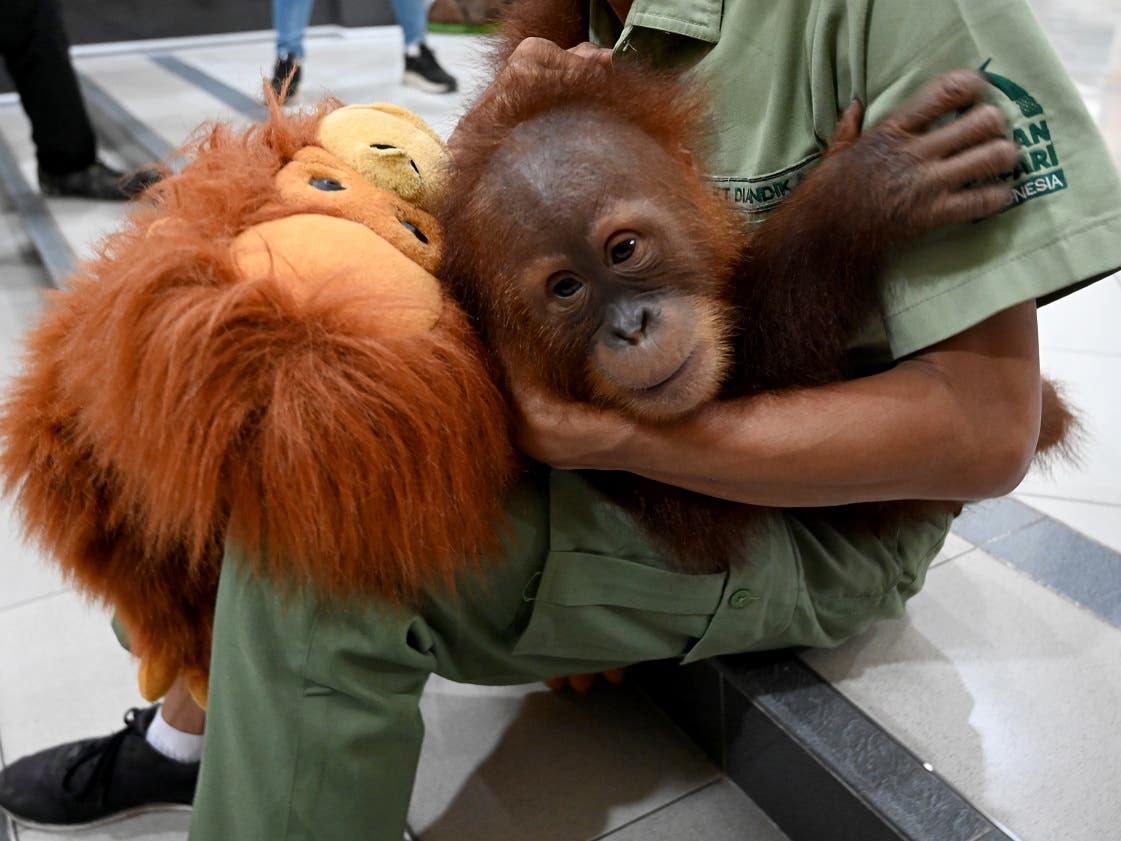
(1063, 228)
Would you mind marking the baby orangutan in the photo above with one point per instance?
(624, 281)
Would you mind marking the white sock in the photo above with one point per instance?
(172, 743)
(413, 50)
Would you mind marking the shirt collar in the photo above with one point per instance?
(697, 19)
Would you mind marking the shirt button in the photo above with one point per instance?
(740, 598)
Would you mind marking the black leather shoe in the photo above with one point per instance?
(97, 181)
(95, 781)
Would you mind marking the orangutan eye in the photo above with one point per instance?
(565, 286)
(415, 231)
(328, 185)
(623, 250)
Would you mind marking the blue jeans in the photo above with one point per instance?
(412, 16)
(290, 18)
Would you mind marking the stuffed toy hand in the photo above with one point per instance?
(263, 359)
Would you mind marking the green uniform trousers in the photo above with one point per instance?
(314, 730)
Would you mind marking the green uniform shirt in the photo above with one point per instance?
(781, 73)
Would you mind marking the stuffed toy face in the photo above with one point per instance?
(262, 359)
(351, 198)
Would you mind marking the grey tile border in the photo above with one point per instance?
(129, 136)
(247, 106)
(41, 227)
(790, 739)
(1050, 552)
(990, 519)
(1068, 562)
(889, 780)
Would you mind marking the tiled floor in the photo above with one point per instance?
(1009, 689)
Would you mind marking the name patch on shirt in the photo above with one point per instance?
(759, 193)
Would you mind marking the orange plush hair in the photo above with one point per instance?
(173, 401)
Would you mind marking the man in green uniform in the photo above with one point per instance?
(314, 729)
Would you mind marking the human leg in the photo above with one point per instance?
(290, 19)
(291, 752)
(421, 68)
(180, 710)
(36, 52)
(313, 726)
(412, 17)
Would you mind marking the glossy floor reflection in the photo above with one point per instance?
(1009, 689)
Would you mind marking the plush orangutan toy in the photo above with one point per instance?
(264, 355)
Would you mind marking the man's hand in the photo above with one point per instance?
(567, 435)
(534, 57)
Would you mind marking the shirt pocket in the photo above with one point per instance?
(588, 606)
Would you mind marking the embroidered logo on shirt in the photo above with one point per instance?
(1039, 172)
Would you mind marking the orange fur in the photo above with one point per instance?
(168, 404)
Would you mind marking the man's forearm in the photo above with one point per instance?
(958, 422)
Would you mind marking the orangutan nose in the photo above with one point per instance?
(630, 322)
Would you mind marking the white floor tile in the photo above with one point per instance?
(511, 763)
(21, 302)
(1009, 691)
(718, 812)
(86, 223)
(28, 572)
(170, 106)
(62, 675)
(952, 548)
